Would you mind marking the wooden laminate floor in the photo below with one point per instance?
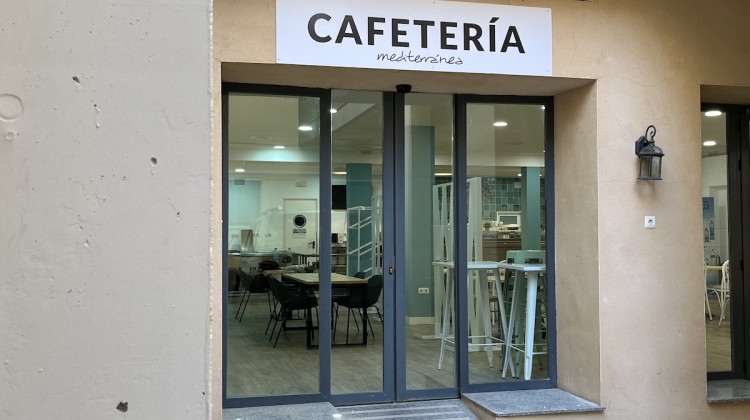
(255, 367)
(718, 340)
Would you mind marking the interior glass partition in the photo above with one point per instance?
(273, 226)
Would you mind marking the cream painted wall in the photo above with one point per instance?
(106, 209)
(629, 300)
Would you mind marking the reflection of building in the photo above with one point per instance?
(111, 143)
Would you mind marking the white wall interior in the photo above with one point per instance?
(714, 184)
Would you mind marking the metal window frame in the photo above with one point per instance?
(394, 354)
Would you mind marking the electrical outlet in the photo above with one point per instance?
(423, 290)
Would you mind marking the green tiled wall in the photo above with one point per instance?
(502, 194)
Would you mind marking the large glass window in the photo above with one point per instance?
(273, 200)
(506, 242)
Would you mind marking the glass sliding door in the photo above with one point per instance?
(272, 223)
(425, 287)
(358, 235)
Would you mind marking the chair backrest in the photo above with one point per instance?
(290, 297)
(251, 282)
(278, 289)
(374, 287)
(526, 256)
(359, 275)
(725, 275)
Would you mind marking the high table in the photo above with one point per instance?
(475, 311)
(528, 275)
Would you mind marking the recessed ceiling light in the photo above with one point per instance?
(339, 172)
(443, 174)
(519, 174)
(712, 113)
(709, 143)
(239, 170)
(500, 124)
(305, 128)
(279, 147)
(334, 110)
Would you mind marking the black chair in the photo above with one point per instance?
(341, 294)
(292, 299)
(362, 298)
(249, 284)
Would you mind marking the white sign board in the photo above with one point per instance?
(415, 35)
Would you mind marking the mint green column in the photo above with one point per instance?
(531, 210)
(359, 234)
(420, 177)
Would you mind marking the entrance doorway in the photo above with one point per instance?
(372, 309)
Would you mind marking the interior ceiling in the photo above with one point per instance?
(713, 128)
(257, 123)
(255, 128)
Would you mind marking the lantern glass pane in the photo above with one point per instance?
(644, 172)
(655, 167)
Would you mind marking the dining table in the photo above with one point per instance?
(340, 286)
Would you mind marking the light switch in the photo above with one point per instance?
(650, 222)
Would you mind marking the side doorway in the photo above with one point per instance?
(725, 132)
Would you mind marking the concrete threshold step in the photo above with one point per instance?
(453, 409)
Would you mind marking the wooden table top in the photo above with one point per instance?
(313, 279)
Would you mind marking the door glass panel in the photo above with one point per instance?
(716, 242)
(506, 222)
(428, 202)
(274, 144)
(356, 254)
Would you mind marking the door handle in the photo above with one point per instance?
(390, 270)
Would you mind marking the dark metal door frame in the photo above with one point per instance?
(738, 197)
(394, 255)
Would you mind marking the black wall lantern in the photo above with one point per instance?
(649, 155)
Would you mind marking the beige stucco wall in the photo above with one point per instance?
(105, 197)
(629, 300)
